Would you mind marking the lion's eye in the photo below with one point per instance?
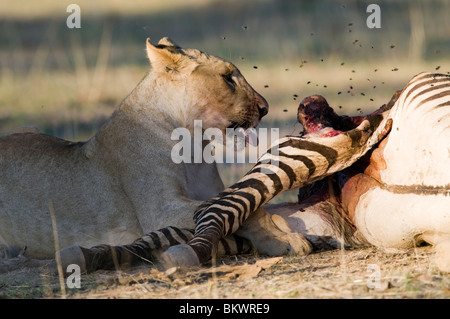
(229, 80)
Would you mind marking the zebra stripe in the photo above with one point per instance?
(292, 163)
(424, 103)
(435, 78)
(300, 160)
(148, 248)
(413, 95)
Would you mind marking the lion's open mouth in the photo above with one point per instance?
(247, 130)
(247, 127)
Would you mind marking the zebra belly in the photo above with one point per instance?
(392, 220)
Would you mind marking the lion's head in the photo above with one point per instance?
(204, 87)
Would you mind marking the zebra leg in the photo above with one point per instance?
(144, 249)
(300, 161)
(147, 249)
(269, 235)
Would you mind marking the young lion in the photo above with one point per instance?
(123, 183)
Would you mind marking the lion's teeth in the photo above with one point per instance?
(250, 135)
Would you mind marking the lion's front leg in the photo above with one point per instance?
(271, 235)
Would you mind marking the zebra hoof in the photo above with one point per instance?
(72, 255)
(180, 256)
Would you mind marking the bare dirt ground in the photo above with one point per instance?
(366, 273)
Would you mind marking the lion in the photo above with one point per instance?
(122, 182)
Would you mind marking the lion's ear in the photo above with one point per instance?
(167, 57)
(168, 42)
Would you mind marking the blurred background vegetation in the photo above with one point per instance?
(68, 81)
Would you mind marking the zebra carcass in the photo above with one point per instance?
(397, 195)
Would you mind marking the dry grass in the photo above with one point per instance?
(335, 274)
(69, 82)
(74, 78)
(331, 274)
(83, 97)
(46, 8)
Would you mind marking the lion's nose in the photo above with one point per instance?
(263, 106)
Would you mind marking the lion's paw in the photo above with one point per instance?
(281, 240)
(22, 262)
(284, 244)
(298, 243)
